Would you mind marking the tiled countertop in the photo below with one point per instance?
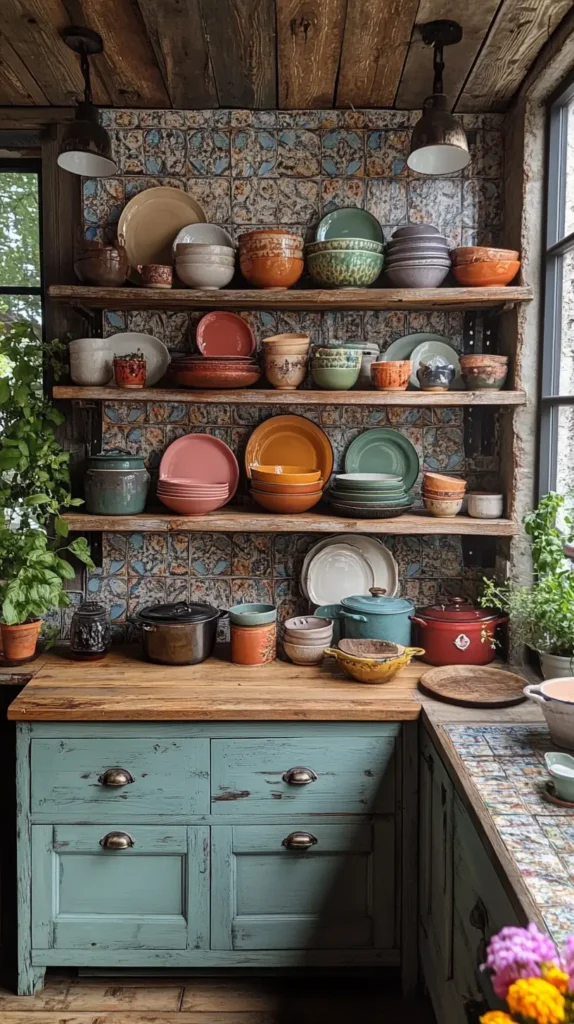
(506, 765)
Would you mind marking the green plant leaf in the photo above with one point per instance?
(61, 527)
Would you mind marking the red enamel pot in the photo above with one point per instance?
(457, 633)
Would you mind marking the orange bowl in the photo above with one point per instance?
(486, 275)
(271, 271)
(438, 482)
(282, 488)
(285, 474)
(391, 376)
(285, 504)
(480, 254)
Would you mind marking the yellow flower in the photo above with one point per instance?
(556, 977)
(495, 1017)
(537, 999)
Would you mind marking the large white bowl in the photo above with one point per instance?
(209, 261)
(555, 697)
(205, 275)
(91, 367)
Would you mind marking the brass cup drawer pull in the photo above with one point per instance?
(300, 841)
(116, 777)
(300, 776)
(117, 841)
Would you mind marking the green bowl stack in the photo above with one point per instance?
(336, 369)
(369, 495)
(348, 251)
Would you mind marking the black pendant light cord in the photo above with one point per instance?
(85, 66)
(438, 65)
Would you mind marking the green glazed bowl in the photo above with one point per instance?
(334, 378)
(252, 614)
(344, 364)
(339, 268)
(369, 497)
(355, 244)
(368, 482)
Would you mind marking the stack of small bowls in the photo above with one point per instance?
(286, 490)
(271, 257)
(345, 262)
(481, 266)
(369, 495)
(305, 639)
(204, 266)
(336, 369)
(105, 266)
(285, 360)
(253, 633)
(443, 495)
(417, 257)
(192, 497)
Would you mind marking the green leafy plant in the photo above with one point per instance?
(541, 613)
(131, 355)
(34, 572)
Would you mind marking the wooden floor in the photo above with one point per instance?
(293, 1000)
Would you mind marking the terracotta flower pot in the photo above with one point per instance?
(253, 645)
(391, 376)
(130, 373)
(19, 642)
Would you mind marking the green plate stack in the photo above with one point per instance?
(369, 495)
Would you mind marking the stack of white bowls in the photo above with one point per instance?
(305, 639)
(200, 265)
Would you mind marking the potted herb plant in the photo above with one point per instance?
(34, 491)
(542, 612)
(130, 370)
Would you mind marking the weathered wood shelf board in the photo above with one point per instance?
(235, 520)
(270, 396)
(304, 299)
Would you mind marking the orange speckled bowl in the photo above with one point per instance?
(285, 474)
(486, 275)
(271, 271)
(481, 254)
(391, 376)
(439, 482)
(282, 488)
(285, 504)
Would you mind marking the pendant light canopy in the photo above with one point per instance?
(438, 142)
(86, 147)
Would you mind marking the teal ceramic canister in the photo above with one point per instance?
(116, 484)
(376, 617)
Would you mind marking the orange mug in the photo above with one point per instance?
(253, 645)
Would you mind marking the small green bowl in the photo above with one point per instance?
(344, 268)
(368, 497)
(355, 244)
(252, 614)
(335, 378)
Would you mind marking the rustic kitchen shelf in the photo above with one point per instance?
(234, 520)
(270, 396)
(303, 299)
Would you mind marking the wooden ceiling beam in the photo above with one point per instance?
(416, 81)
(17, 85)
(177, 34)
(242, 44)
(377, 36)
(517, 34)
(309, 42)
(127, 66)
(33, 28)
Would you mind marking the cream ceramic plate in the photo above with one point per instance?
(203, 234)
(335, 566)
(156, 354)
(152, 219)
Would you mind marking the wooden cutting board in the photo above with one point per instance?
(473, 686)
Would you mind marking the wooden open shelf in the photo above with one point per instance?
(235, 520)
(302, 299)
(270, 396)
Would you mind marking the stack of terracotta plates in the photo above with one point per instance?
(226, 344)
(197, 474)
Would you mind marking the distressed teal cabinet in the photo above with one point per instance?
(181, 845)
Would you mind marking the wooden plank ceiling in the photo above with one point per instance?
(289, 54)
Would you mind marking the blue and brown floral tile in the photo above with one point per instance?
(387, 200)
(164, 151)
(114, 554)
(128, 150)
(167, 412)
(437, 201)
(251, 591)
(340, 192)
(127, 413)
(299, 200)
(386, 153)
(382, 328)
(252, 554)
(444, 450)
(481, 203)
(289, 599)
(253, 153)
(215, 591)
(343, 153)
(255, 201)
(147, 554)
(214, 195)
(298, 153)
(112, 592)
(133, 186)
(289, 551)
(103, 200)
(210, 554)
(254, 119)
(177, 558)
(112, 322)
(208, 153)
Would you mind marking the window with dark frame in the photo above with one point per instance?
(556, 463)
(20, 263)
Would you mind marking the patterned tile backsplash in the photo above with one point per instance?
(263, 168)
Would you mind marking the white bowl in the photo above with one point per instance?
(209, 261)
(91, 367)
(198, 248)
(485, 506)
(301, 655)
(559, 714)
(202, 275)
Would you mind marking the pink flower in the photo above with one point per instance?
(519, 953)
(569, 961)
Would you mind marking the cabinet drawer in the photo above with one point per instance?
(153, 894)
(170, 777)
(351, 775)
(337, 894)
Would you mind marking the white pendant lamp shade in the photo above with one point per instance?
(86, 147)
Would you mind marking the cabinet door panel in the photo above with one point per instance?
(153, 895)
(338, 894)
(436, 860)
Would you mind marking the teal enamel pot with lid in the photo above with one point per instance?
(116, 484)
(376, 617)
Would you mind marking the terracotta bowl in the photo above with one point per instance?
(104, 268)
(285, 504)
(437, 481)
(263, 250)
(482, 360)
(391, 376)
(272, 271)
(249, 237)
(215, 377)
(481, 254)
(281, 488)
(285, 474)
(486, 275)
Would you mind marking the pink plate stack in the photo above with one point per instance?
(198, 473)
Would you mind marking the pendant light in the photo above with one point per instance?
(438, 142)
(86, 147)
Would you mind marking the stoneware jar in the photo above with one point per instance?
(90, 632)
(116, 484)
(253, 645)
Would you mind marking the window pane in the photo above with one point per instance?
(564, 449)
(566, 326)
(569, 199)
(21, 307)
(19, 230)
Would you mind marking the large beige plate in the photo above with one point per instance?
(152, 219)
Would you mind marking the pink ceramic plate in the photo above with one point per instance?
(225, 334)
(187, 482)
(200, 457)
(193, 506)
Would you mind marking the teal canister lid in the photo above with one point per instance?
(376, 603)
(116, 458)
